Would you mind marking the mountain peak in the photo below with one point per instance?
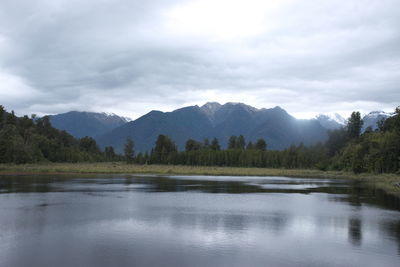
(377, 113)
(244, 106)
(331, 120)
(210, 108)
(278, 108)
(86, 123)
(371, 119)
(212, 103)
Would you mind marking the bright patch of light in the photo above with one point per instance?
(13, 88)
(223, 19)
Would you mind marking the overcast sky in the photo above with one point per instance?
(131, 56)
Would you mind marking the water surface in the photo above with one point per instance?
(128, 220)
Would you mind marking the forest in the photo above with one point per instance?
(31, 140)
(347, 149)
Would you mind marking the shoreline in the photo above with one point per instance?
(390, 183)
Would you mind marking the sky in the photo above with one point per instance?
(130, 57)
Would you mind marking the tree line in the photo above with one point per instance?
(238, 154)
(30, 140)
(347, 149)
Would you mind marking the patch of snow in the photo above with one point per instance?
(109, 114)
(210, 108)
(377, 113)
(335, 117)
(127, 119)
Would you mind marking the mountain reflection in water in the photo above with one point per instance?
(130, 220)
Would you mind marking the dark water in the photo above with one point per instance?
(195, 221)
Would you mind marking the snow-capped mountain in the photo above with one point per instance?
(371, 119)
(275, 125)
(335, 121)
(331, 120)
(210, 108)
(112, 114)
(81, 124)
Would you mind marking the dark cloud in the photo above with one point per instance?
(130, 57)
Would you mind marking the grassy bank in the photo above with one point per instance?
(387, 182)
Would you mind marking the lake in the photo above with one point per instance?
(131, 220)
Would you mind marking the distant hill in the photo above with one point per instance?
(371, 119)
(279, 129)
(80, 124)
(335, 121)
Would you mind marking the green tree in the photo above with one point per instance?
(232, 142)
(110, 153)
(261, 145)
(11, 118)
(337, 139)
(129, 150)
(354, 125)
(164, 144)
(241, 142)
(215, 144)
(25, 139)
(250, 146)
(206, 143)
(192, 144)
(392, 123)
(164, 147)
(2, 114)
(88, 144)
(12, 147)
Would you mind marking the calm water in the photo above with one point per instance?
(195, 221)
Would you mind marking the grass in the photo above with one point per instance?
(387, 182)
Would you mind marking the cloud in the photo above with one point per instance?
(130, 57)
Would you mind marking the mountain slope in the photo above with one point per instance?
(371, 119)
(180, 125)
(214, 120)
(80, 124)
(331, 121)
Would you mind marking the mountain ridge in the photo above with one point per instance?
(276, 125)
(279, 128)
(83, 123)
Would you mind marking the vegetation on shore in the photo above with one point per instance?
(387, 182)
(32, 140)
(347, 149)
(31, 145)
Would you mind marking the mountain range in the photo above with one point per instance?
(81, 124)
(335, 121)
(215, 120)
(275, 125)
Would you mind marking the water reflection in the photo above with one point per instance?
(355, 231)
(130, 220)
(352, 192)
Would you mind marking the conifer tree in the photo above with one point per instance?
(215, 144)
(232, 142)
(250, 146)
(261, 144)
(241, 143)
(128, 150)
(354, 125)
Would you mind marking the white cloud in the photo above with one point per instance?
(16, 93)
(130, 57)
